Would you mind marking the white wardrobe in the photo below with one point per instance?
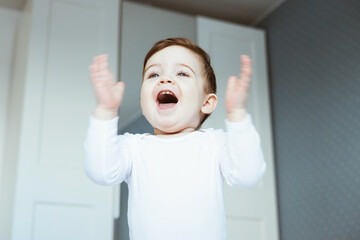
(52, 99)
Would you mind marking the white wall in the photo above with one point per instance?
(8, 22)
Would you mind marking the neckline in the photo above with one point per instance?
(173, 139)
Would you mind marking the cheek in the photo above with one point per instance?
(145, 89)
(146, 98)
(194, 97)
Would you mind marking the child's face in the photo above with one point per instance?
(172, 91)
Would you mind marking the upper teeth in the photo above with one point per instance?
(166, 92)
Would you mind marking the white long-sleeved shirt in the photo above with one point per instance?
(175, 184)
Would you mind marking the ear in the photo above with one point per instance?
(209, 103)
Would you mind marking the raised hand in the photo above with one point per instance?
(238, 90)
(108, 92)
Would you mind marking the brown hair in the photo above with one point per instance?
(208, 72)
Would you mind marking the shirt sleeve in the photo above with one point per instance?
(241, 158)
(107, 154)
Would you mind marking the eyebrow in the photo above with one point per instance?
(180, 64)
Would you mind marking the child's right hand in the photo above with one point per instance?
(109, 94)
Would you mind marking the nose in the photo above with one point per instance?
(164, 81)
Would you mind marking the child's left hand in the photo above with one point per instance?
(238, 90)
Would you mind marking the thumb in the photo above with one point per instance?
(120, 87)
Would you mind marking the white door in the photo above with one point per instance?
(54, 200)
(251, 214)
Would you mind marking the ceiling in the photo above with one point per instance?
(247, 12)
(13, 4)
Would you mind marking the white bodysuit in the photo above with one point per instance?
(175, 184)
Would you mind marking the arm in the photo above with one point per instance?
(106, 161)
(107, 155)
(242, 162)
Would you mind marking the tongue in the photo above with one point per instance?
(163, 106)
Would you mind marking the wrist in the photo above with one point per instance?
(103, 113)
(236, 115)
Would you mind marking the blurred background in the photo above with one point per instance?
(313, 65)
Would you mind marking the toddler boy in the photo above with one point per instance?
(175, 177)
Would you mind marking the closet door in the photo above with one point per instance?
(250, 213)
(54, 199)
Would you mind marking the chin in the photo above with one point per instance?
(173, 123)
(168, 128)
(175, 128)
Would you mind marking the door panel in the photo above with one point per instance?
(54, 199)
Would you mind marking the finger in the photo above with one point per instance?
(100, 58)
(100, 70)
(246, 67)
(103, 66)
(121, 87)
(96, 59)
(94, 73)
(245, 59)
(105, 77)
(231, 83)
(101, 62)
(94, 70)
(100, 77)
(246, 63)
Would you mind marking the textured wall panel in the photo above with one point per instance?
(314, 57)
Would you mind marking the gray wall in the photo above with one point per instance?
(314, 59)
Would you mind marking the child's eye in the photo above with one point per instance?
(183, 74)
(153, 75)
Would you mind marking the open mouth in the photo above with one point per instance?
(166, 99)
